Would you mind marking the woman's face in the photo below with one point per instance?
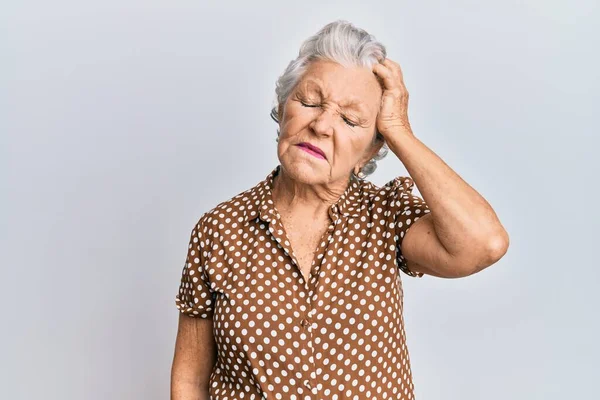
(334, 108)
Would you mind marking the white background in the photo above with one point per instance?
(121, 122)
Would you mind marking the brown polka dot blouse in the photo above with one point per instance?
(339, 335)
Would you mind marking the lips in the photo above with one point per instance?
(313, 148)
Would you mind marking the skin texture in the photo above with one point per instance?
(320, 111)
(459, 237)
(462, 234)
(194, 358)
(315, 113)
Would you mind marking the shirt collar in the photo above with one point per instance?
(259, 200)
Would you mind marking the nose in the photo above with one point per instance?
(322, 124)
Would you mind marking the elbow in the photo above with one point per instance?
(498, 247)
(475, 262)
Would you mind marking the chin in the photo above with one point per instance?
(305, 171)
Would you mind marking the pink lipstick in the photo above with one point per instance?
(311, 149)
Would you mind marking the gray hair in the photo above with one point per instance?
(343, 43)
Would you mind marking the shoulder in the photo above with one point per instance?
(231, 211)
(389, 193)
(399, 184)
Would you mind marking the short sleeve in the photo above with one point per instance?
(407, 208)
(195, 297)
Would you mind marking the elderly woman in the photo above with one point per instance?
(292, 289)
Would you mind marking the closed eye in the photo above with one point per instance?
(346, 120)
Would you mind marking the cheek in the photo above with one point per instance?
(354, 149)
(289, 116)
(292, 125)
(345, 149)
(284, 144)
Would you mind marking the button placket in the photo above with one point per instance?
(277, 230)
(306, 322)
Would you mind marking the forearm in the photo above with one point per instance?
(193, 360)
(182, 389)
(464, 222)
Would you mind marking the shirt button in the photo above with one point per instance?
(304, 322)
(307, 384)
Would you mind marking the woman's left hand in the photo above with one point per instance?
(393, 113)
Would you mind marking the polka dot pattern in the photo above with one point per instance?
(339, 334)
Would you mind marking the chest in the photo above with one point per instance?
(305, 239)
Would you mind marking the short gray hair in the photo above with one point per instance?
(340, 42)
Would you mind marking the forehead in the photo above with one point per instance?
(356, 87)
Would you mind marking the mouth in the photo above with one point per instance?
(314, 150)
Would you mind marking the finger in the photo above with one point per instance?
(394, 66)
(387, 76)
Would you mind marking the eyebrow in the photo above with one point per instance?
(352, 103)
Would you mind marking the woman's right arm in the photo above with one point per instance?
(194, 359)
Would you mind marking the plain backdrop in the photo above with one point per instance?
(123, 121)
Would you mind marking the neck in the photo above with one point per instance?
(304, 200)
